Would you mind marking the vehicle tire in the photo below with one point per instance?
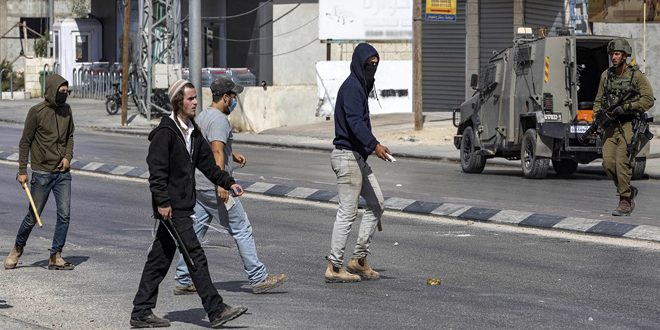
(564, 166)
(470, 161)
(111, 106)
(533, 167)
(639, 168)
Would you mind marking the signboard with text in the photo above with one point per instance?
(440, 10)
(365, 19)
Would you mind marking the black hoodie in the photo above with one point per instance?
(172, 168)
(352, 123)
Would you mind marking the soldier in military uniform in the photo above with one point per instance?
(624, 87)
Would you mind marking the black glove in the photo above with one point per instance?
(618, 111)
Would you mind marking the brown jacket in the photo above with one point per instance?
(48, 132)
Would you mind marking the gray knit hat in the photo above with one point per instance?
(176, 87)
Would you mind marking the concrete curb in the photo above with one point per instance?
(451, 210)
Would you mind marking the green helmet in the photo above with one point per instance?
(620, 45)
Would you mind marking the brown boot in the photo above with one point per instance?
(12, 259)
(55, 262)
(361, 267)
(335, 274)
(624, 208)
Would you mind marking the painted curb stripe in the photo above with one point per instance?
(278, 190)
(396, 203)
(301, 192)
(478, 213)
(449, 209)
(421, 207)
(510, 216)
(541, 220)
(78, 164)
(645, 232)
(105, 168)
(322, 196)
(576, 224)
(135, 172)
(611, 228)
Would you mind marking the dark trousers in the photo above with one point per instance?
(158, 263)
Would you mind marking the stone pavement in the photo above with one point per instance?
(396, 131)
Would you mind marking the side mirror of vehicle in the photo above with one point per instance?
(474, 81)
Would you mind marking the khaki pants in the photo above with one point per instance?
(615, 157)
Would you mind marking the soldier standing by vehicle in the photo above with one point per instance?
(617, 81)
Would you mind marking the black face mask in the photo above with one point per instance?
(369, 76)
(60, 98)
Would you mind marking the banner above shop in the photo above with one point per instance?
(353, 20)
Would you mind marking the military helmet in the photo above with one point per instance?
(620, 45)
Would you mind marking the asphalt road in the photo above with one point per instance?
(492, 276)
(499, 187)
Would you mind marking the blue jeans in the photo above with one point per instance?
(354, 179)
(239, 227)
(41, 186)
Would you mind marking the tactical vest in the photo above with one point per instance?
(617, 86)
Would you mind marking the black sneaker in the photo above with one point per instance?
(151, 321)
(184, 289)
(227, 315)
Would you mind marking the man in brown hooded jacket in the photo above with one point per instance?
(48, 140)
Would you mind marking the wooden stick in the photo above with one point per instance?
(34, 207)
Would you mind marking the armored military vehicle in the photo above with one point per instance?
(532, 102)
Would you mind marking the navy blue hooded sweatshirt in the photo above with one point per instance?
(352, 123)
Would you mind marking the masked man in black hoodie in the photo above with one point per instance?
(47, 141)
(354, 142)
(177, 147)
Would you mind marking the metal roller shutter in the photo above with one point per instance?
(443, 62)
(544, 13)
(495, 27)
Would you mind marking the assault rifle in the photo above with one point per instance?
(640, 129)
(605, 119)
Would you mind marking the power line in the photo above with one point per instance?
(266, 38)
(290, 51)
(239, 15)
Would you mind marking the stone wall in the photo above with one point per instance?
(33, 67)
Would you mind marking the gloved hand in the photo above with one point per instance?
(618, 111)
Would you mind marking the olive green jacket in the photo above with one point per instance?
(640, 103)
(48, 132)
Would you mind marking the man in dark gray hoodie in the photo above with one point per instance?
(48, 141)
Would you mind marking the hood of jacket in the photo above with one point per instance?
(361, 54)
(53, 83)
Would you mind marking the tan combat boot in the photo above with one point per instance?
(361, 267)
(335, 274)
(12, 259)
(624, 208)
(55, 262)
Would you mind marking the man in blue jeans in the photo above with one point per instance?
(354, 142)
(216, 202)
(48, 141)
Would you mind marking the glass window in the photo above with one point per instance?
(82, 48)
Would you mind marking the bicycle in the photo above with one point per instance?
(113, 101)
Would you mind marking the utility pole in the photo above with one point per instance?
(195, 46)
(124, 63)
(417, 66)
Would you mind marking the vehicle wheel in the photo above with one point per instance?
(533, 167)
(470, 162)
(639, 168)
(564, 166)
(111, 106)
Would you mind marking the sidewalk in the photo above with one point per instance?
(396, 131)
